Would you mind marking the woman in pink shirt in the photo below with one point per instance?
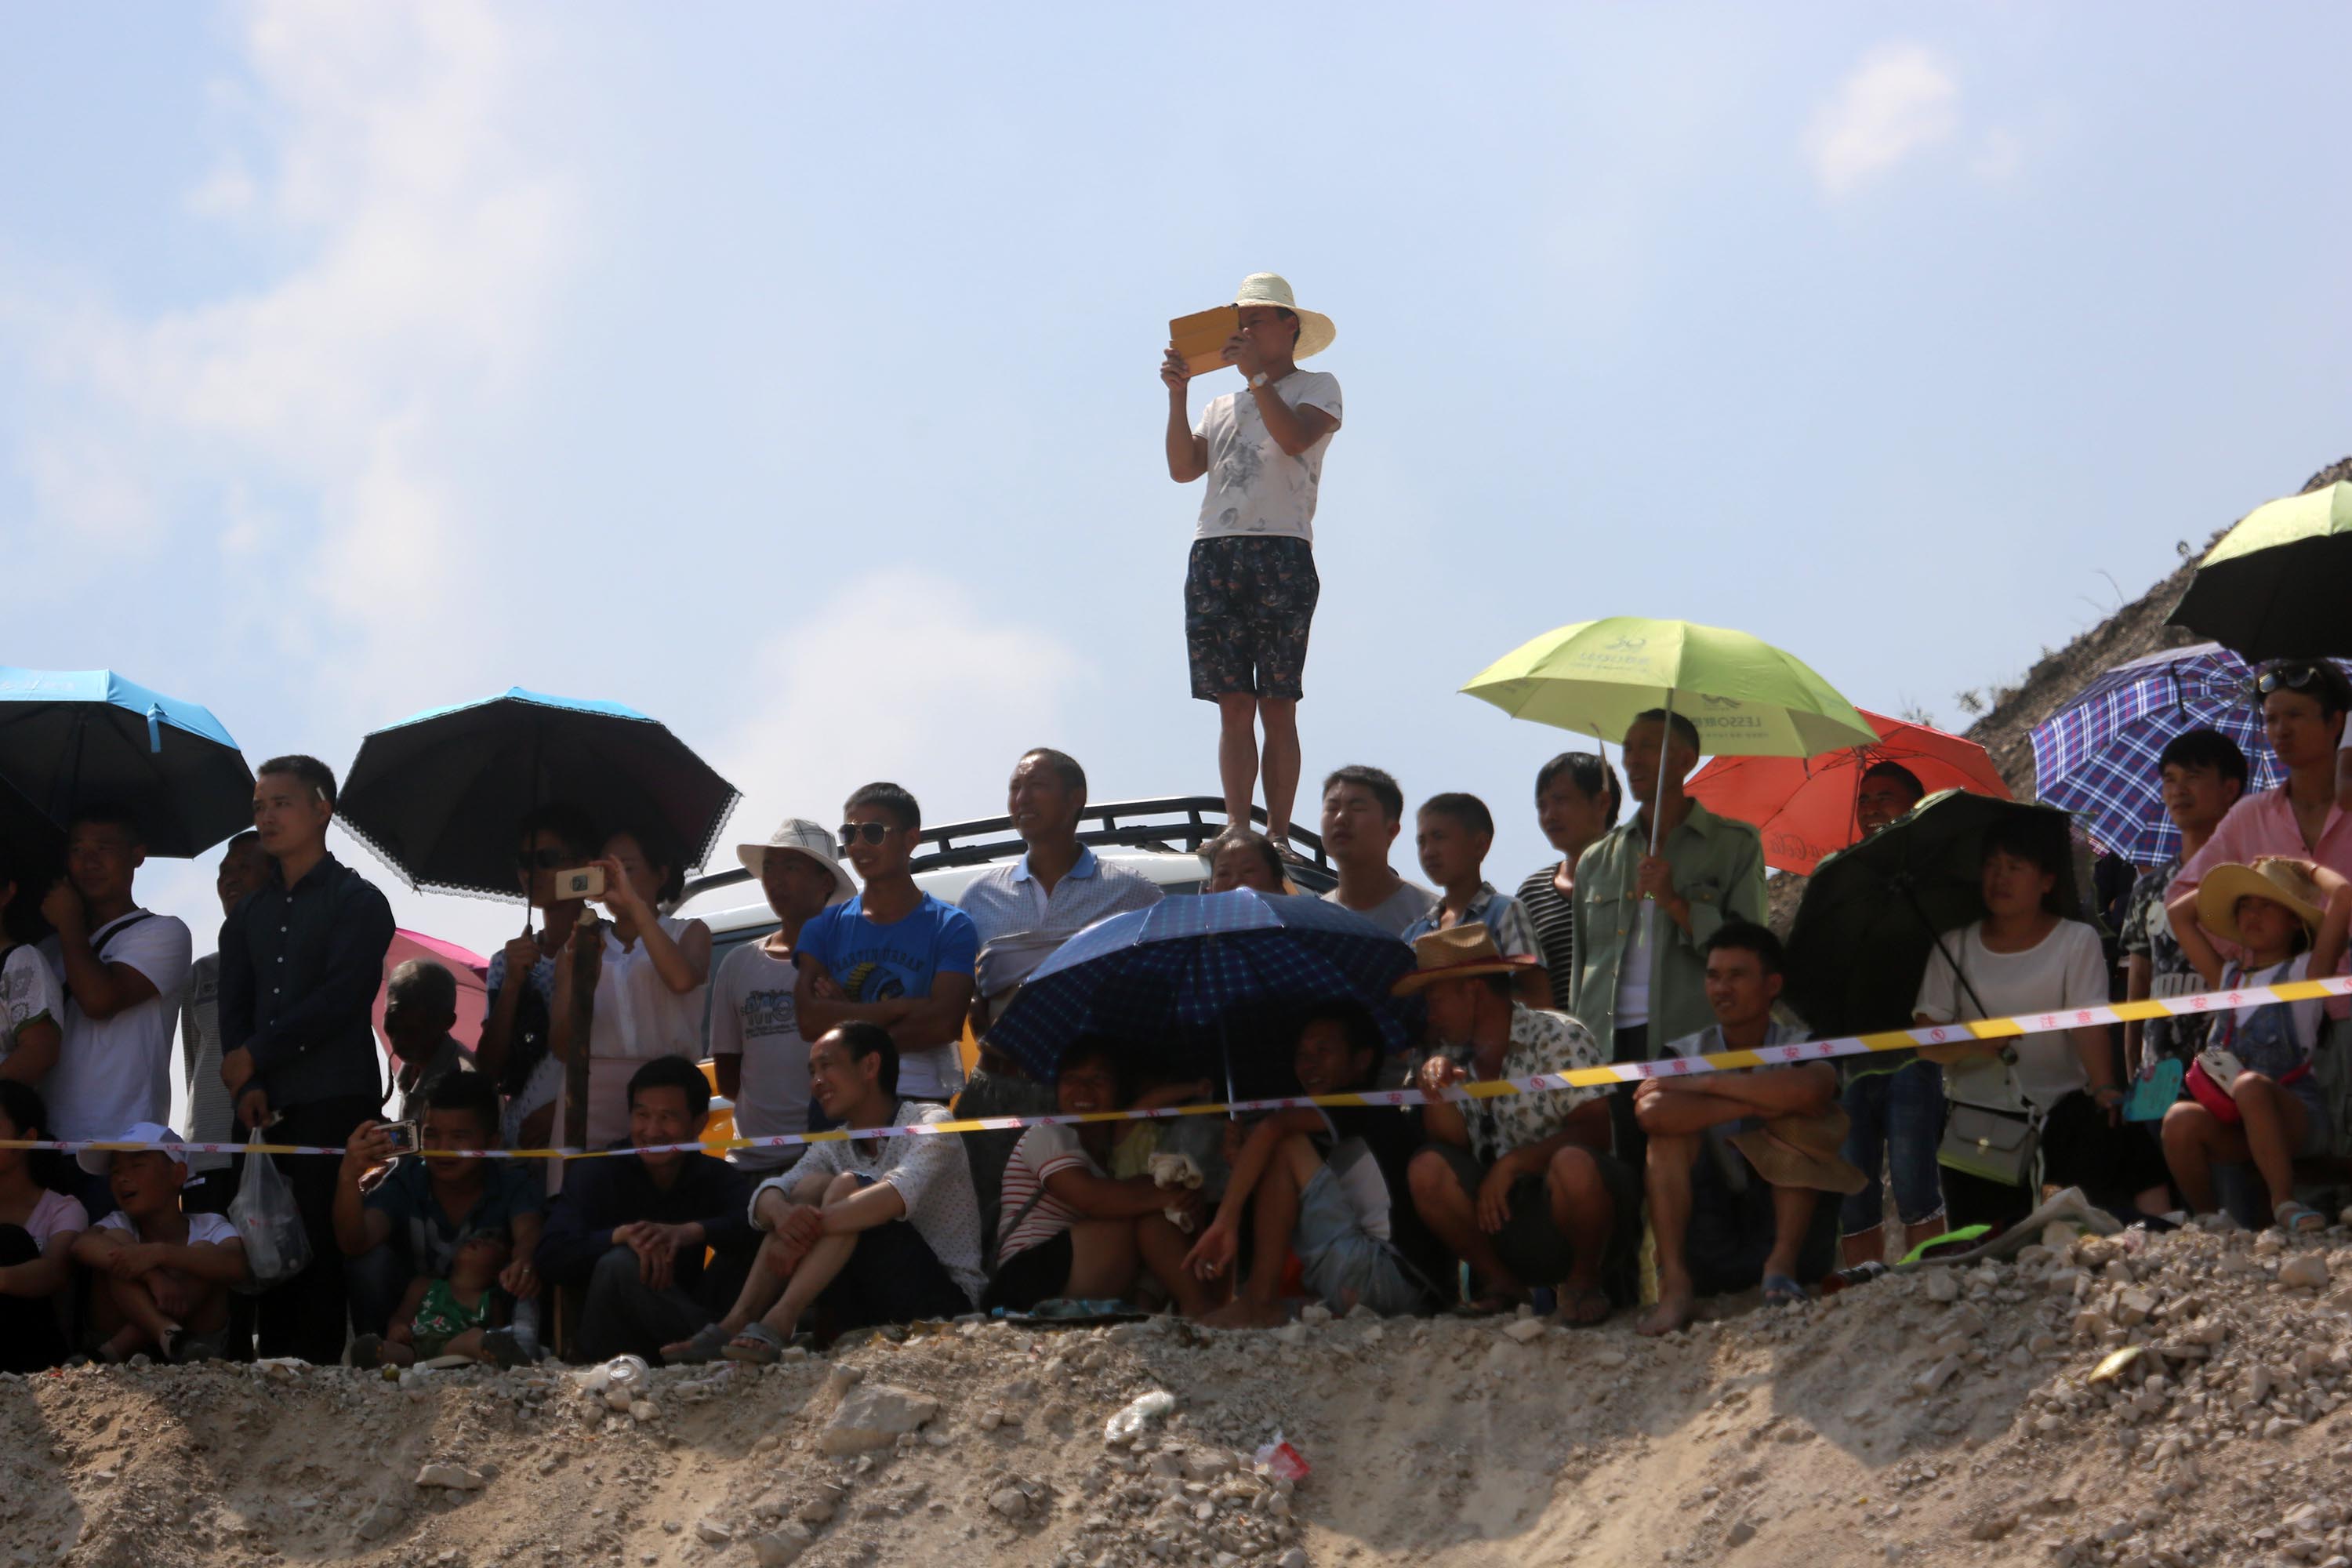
(2304, 705)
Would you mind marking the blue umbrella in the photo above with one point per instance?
(436, 796)
(1189, 982)
(70, 738)
(2096, 756)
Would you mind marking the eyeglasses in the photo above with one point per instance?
(2294, 677)
(872, 832)
(539, 860)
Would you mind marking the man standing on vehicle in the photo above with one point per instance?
(301, 960)
(1250, 587)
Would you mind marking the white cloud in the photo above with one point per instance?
(397, 162)
(904, 677)
(1899, 101)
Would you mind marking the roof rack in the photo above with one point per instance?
(1130, 823)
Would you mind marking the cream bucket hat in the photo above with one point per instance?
(1315, 331)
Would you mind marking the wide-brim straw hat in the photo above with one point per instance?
(1315, 328)
(2270, 878)
(799, 835)
(1803, 1151)
(1458, 952)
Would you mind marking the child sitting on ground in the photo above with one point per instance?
(1452, 835)
(164, 1274)
(1064, 1227)
(2254, 1096)
(449, 1317)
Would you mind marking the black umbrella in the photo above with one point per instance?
(1871, 914)
(2276, 584)
(72, 738)
(437, 796)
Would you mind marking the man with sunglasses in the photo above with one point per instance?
(893, 955)
(2304, 706)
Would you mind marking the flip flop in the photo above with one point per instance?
(1585, 1305)
(708, 1344)
(2299, 1219)
(1779, 1291)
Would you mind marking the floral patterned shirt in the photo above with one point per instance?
(1542, 1043)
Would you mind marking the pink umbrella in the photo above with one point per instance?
(471, 969)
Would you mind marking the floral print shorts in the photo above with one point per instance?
(1248, 602)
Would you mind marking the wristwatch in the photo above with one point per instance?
(1260, 379)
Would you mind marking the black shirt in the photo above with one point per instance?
(599, 1194)
(299, 970)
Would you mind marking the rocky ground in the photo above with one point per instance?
(1975, 1415)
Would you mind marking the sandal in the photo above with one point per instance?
(1584, 1306)
(766, 1347)
(1779, 1291)
(707, 1345)
(2298, 1220)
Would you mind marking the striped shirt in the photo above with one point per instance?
(1553, 915)
(1043, 1152)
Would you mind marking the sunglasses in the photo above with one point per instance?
(539, 860)
(872, 832)
(2292, 677)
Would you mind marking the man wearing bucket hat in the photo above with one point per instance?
(755, 1035)
(1250, 586)
(1785, 1122)
(1521, 1187)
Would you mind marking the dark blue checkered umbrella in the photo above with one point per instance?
(2096, 757)
(1204, 986)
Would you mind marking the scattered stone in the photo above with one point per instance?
(1943, 1285)
(876, 1416)
(456, 1477)
(713, 1532)
(1012, 1502)
(2305, 1270)
(1525, 1330)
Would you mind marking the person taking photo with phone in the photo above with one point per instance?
(1250, 587)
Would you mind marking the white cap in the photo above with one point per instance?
(100, 1161)
(799, 835)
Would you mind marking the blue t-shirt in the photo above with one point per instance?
(874, 962)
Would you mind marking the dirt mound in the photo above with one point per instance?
(1945, 1416)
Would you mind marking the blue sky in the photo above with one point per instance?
(789, 373)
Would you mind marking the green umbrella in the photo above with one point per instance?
(2276, 585)
(1745, 697)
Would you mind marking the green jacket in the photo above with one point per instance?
(1719, 866)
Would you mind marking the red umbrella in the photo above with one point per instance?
(1804, 805)
(470, 968)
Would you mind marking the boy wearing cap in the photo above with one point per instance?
(1250, 587)
(1784, 1121)
(1521, 1187)
(755, 1033)
(165, 1273)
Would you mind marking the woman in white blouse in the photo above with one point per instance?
(650, 989)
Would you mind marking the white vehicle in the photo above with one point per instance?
(1159, 839)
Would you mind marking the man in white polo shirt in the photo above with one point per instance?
(124, 969)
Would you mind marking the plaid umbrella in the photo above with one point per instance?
(2096, 757)
(1202, 986)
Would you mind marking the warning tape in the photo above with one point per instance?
(1610, 1076)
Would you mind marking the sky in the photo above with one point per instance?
(789, 373)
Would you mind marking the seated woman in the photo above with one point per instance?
(1064, 1227)
(38, 1227)
(2255, 1095)
(2023, 957)
(1239, 858)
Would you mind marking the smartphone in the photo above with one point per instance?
(403, 1135)
(581, 882)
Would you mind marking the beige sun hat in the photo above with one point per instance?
(1803, 1151)
(2280, 880)
(1457, 953)
(799, 835)
(1314, 330)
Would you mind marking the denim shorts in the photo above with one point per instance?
(1899, 1120)
(1338, 1256)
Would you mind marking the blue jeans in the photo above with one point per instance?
(1898, 1120)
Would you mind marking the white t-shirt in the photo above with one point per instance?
(1042, 1153)
(933, 1175)
(115, 1071)
(752, 1015)
(54, 1213)
(2064, 970)
(203, 1229)
(1256, 486)
(28, 990)
(1634, 976)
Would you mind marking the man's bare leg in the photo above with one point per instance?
(1237, 753)
(1273, 1209)
(1451, 1216)
(1164, 1250)
(1668, 1183)
(1581, 1209)
(1280, 717)
(1792, 1216)
(817, 1268)
(1102, 1259)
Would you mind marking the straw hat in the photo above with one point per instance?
(2270, 877)
(799, 835)
(1458, 952)
(1314, 330)
(1803, 1151)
